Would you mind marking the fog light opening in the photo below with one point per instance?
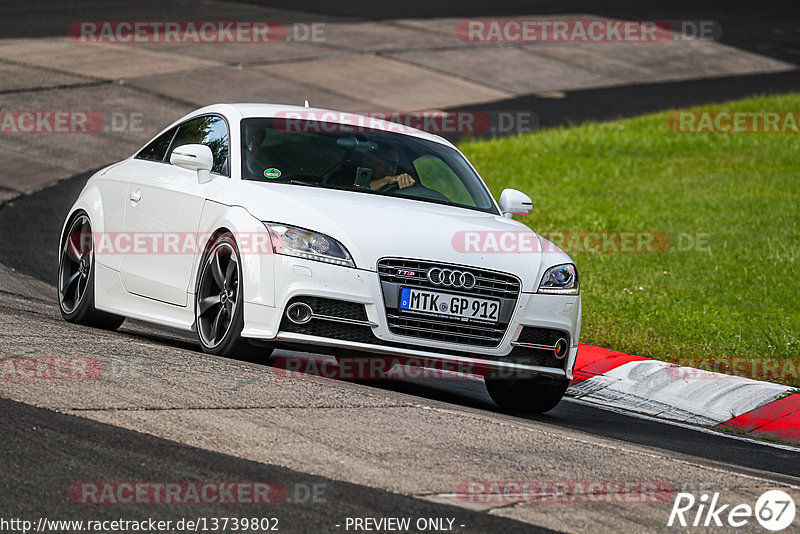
(299, 313)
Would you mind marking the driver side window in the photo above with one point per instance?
(209, 130)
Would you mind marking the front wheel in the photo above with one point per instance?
(532, 395)
(76, 278)
(219, 303)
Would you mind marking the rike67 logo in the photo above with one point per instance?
(774, 510)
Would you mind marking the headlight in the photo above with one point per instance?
(302, 243)
(561, 279)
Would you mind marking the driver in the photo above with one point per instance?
(384, 166)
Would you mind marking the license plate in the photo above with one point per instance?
(448, 305)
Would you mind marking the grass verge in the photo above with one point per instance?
(726, 288)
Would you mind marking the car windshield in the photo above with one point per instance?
(324, 154)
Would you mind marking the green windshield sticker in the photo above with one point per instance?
(272, 173)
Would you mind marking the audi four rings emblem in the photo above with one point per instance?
(451, 278)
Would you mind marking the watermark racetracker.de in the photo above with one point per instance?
(196, 492)
(782, 369)
(464, 122)
(584, 30)
(505, 492)
(734, 121)
(36, 367)
(375, 367)
(176, 31)
(194, 31)
(79, 121)
(158, 243)
(571, 242)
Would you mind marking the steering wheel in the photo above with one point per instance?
(415, 190)
(391, 187)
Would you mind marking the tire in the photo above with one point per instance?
(219, 303)
(76, 278)
(532, 395)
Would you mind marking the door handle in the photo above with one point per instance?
(136, 196)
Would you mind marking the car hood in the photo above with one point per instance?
(372, 227)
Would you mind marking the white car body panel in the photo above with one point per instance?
(159, 288)
(170, 201)
(378, 227)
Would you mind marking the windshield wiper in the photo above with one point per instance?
(321, 185)
(302, 182)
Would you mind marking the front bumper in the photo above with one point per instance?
(295, 277)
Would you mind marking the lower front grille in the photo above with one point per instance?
(443, 330)
(541, 336)
(333, 308)
(363, 334)
(323, 323)
(535, 356)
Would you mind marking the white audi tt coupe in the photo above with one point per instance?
(261, 226)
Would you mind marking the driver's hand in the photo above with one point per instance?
(402, 180)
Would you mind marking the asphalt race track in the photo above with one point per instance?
(33, 433)
(162, 411)
(39, 436)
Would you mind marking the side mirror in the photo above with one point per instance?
(513, 202)
(194, 158)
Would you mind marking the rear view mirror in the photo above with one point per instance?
(194, 158)
(359, 145)
(513, 202)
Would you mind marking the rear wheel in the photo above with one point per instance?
(76, 278)
(533, 395)
(219, 303)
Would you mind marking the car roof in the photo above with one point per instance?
(254, 110)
